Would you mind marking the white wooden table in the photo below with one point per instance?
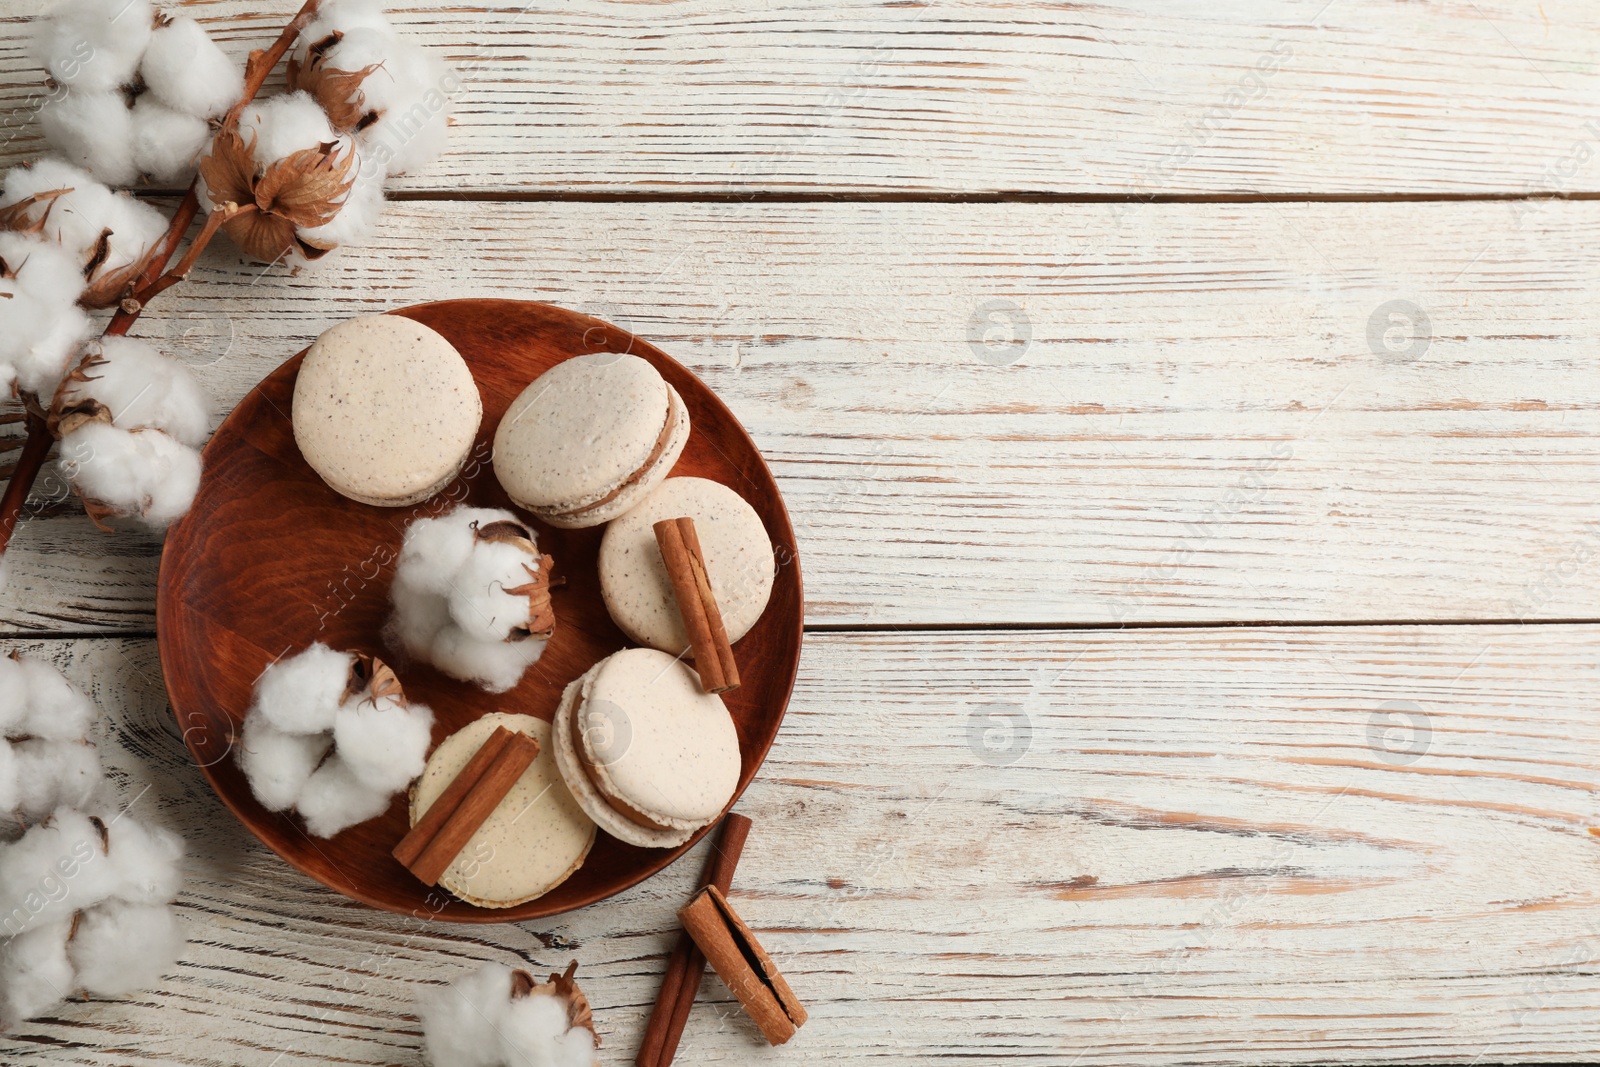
(1208, 675)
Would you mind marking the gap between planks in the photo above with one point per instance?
(1019, 196)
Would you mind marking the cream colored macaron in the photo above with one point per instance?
(385, 410)
(648, 755)
(738, 555)
(532, 842)
(589, 439)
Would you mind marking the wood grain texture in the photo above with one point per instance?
(270, 559)
(1202, 424)
(1203, 846)
(1132, 97)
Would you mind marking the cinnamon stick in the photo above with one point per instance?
(697, 605)
(411, 845)
(743, 965)
(687, 964)
(484, 791)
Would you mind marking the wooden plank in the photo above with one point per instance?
(1205, 421)
(1247, 846)
(1124, 98)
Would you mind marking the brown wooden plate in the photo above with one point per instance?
(270, 559)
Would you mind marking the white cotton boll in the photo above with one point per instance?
(357, 219)
(531, 1030)
(141, 474)
(93, 44)
(435, 549)
(93, 131)
(166, 142)
(55, 868)
(301, 694)
(575, 1048)
(479, 603)
(186, 71)
(343, 16)
(76, 220)
(474, 1022)
(145, 861)
(413, 127)
(277, 764)
(13, 698)
(383, 742)
(44, 271)
(135, 228)
(38, 341)
(460, 1021)
(57, 709)
(419, 615)
(119, 947)
(52, 774)
(145, 389)
(335, 799)
(283, 125)
(35, 973)
(41, 329)
(495, 665)
(451, 608)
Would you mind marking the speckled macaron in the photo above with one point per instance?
(648, 755)
(738, 555)
(532, 842)
(385, 410)
(589, 439)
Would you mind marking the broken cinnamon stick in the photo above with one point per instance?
(697, 605)
(743, 965)
(687, 964)
(472, 797)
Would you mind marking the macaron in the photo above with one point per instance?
(648, 755)
(385, 410)
(589, 439)
(532, 842)
(738, 557)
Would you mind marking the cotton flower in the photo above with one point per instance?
(47, 757)
(93, 45)
(131, 422)
(120, 947)
(166, 142)
(287, 169)
(138, 388)
(143, 475)
(496, 1017)
(93, 130)
(135, 89)
(41, 326)
(85, 888)
(110, 235)
(84, 900)
(186, 71)
(332, 736)
(471, 596)
(36, 700)
(372, 82)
